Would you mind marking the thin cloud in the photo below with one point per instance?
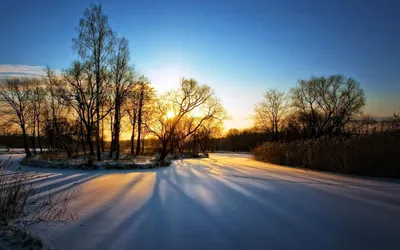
(8, 70)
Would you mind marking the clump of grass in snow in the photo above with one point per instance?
(20, 199)
(13, 192)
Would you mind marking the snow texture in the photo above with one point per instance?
(228, 201)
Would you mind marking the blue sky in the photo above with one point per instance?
(240, 48)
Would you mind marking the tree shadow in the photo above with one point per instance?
(186, 208)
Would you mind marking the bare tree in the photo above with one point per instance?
(191, 103)
(210, 129)
(139, 108)
(54, 104)
(14, 94)
(394, 122)
(131, 108)
(80, 94)
(122, 77)
(95, 43)
(36, 98)
(148, 97)
(271, 111)
(327, 104)
(145, 94)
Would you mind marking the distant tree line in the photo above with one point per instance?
(315, 108)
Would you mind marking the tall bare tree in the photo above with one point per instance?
(38, 97)
(147, 110)
(270, 112)
(15, 95)
(145, 95)
(139, 107)
(327, 104)
(95, 43)
(131, 108)
(54, 105)
(122, 77)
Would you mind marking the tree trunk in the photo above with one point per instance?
(132, 142)
(82, 138)
(66, 149)
(55, 124)
(90, 141)
(117, 148)
(139, 121)
(112, 148)
(138, 141)
(164, 153)
(116, 128)
(38, 134)
(102, 131)
(26, 146)
(91, 148)
(98, 153)
(144, 136)
(133, 134)
(34, 138)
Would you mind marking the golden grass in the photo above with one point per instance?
(372, 154)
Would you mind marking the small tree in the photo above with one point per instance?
(15, 95)
(271, 111)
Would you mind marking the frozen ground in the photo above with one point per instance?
(226, 202)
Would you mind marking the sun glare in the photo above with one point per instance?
(167, 78)
(170, 114)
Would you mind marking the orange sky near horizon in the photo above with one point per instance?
(239, 99)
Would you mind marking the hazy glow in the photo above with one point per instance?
(166, 78)
(170, 114)
(238, 102)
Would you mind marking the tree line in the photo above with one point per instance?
(101, 95)
(72, 109)
(315, 108)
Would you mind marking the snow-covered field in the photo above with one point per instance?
(226, 202)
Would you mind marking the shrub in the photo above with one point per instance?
(372, 154)
(13, 193)
(20, 199)
(120, 165)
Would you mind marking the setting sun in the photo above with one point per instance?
(170, 114)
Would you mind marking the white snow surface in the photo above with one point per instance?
(228, 201)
